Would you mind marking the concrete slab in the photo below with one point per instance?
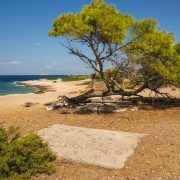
(93, 146)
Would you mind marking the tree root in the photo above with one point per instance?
(64, 101)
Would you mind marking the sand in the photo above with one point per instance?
(155, 157)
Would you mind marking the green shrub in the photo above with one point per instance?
(23, 156)
(111, 73)
(75, 78)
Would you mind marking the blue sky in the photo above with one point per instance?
(25, 47)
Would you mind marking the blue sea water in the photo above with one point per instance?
(8, 83)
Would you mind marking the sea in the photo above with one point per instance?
(8, 83)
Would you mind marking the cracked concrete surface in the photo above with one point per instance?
(99, 147)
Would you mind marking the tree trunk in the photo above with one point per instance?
(87, 95)
(64, 101)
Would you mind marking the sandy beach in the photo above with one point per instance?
(53, 90)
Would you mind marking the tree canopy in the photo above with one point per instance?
(137, 49)
(98, 17)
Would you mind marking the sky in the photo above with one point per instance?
(26, 48)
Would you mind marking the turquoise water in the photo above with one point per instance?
(13, 88)
(8, 83)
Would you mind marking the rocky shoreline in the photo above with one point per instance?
(41, 88)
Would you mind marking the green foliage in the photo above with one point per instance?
(100, 17)
(175, 68)
(75, 78)
(155, 52)
(23, 156)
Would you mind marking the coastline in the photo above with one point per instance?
(41, 88)
(50, 92)
(43, 85)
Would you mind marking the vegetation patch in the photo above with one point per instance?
(88, 83)
(23, 156)
(75, 78)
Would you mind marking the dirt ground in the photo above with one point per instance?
(156, 157)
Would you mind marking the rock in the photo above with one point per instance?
(99, 108)
(90, 108)
(49, 108)
(120, 110)
(134, 108)
(104, 108)
(28, 104)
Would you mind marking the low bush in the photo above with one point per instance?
(23, 156)
(75, 78)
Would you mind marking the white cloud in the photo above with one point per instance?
(10, 63)
(14, 62)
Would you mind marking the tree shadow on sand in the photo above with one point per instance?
(113, 105)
